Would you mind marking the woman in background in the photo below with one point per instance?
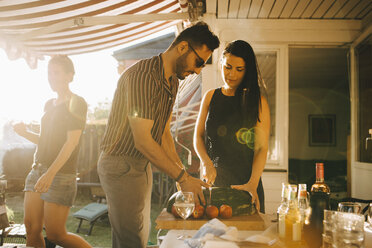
(232, 129)
(50, 187)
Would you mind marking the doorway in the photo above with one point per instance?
(319, 116)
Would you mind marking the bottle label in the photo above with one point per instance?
(303, 194)
(296, 231)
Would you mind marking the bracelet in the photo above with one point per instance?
(180, 175)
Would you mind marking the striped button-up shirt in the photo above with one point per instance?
(142, 92)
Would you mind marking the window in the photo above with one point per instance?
(267, 64)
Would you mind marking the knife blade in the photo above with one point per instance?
(210, 196)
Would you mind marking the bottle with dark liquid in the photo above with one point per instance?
(319, 200)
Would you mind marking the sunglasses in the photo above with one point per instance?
(199, 61)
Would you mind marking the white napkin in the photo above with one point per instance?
(211, 229)
(220, 244)
(268, 237)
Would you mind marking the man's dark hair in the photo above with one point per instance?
(198, 35)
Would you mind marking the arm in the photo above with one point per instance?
(262, 132)
(21, 130)
(209, 172)
(141, 129)
(167, 144)
(46, 179)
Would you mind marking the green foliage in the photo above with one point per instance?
(101, 111)
(101, 234)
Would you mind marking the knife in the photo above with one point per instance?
(210, 196)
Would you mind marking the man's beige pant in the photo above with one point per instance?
(127, 183)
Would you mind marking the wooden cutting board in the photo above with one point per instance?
(166, 220)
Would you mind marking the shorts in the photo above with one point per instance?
(62, 191)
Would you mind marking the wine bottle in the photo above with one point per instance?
(319, 200)
(320, 185)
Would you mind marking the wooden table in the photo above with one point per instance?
(171, 241)
(247, 226)
(166, 220)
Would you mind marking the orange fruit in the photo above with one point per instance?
(174, 212)
(225, 211)
(198, 212)
(211, 211)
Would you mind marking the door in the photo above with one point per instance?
(361, 95)
(319, 115)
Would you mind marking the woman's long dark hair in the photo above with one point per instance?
(248, 90)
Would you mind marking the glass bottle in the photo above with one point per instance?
(303, 202)
(281, 211)
(293, 227)
(319, 197)
(320, 185)
(319, 201)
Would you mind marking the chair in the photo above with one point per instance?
(16, 233)
(91, 213)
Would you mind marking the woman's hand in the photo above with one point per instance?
(42, 185)
(209, 172)
(252, 189)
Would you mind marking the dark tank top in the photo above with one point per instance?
(230, 142)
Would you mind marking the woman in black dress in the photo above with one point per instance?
(232, 130)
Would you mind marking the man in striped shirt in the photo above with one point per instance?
(138, 131)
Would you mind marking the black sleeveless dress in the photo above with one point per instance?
(230, 143)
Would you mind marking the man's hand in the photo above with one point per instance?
(252, 189)
(192, 184)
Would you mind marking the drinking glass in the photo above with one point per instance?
(348, 230)
(184, 204)
(350, 207)
(369, 215)
(328, 223)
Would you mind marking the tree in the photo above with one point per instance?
(100, 112)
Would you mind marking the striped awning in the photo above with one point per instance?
(34, 28)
